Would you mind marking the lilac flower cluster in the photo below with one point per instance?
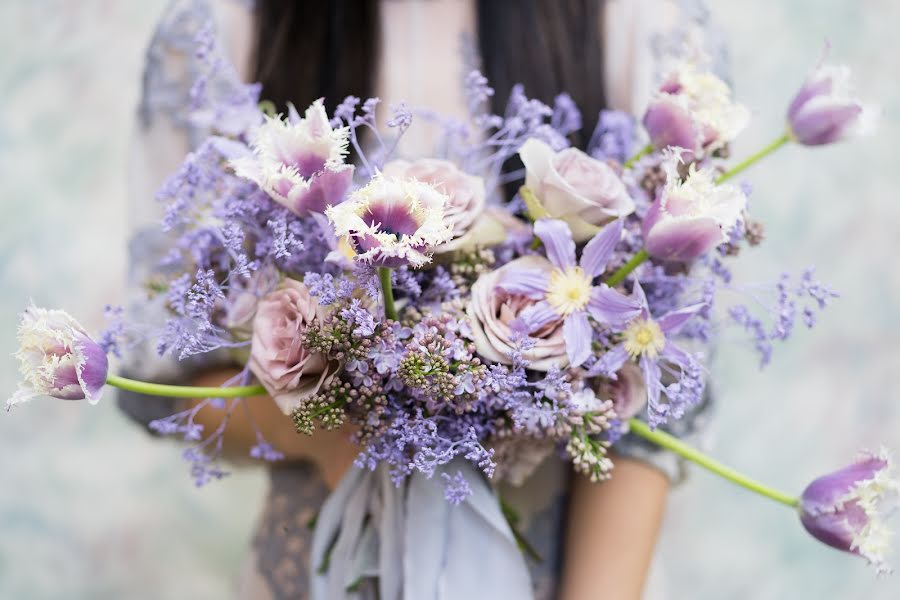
(802, 297)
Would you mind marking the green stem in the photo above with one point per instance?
(512, 519)
(184, 391)
(660, 438)
(626, 269)
(384, 276)
(754, 158)
(640, 154)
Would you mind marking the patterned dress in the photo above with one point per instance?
(639, 36)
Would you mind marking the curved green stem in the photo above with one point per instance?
(384, 276)
(626, 269)
(184, 391)
(663, 439)
(754, 158)
(638, 156)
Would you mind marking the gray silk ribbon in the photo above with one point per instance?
(411, 544)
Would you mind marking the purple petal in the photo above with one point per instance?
(681, 239)
(610, 362)
(534, 317)
(94, 369)
(671, 322)
(813, 87)
(577, 334)
(557, 239)
(675, 355)
(827, 124)
(826, 492)
(525, 282)
(670, 124)
(326, 189)
(610, 307)
(640, 298)
(598, 251)
(657, 412)
(293, 116)
(836, 529)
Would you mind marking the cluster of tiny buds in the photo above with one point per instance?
(442, 365)
(337, 339)
(470, 266)
(588, 445)
(328, 407)
(589, 457)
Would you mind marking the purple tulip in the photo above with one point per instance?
(393, 222)
(846, 509)
(57, 358)
(691, 217)
(823, 111)
(693, 110)
(669, 123)
(299, 162)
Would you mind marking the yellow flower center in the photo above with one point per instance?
(570, 290)
(644, 338)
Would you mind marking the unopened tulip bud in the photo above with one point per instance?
(824, 111)
(846, 509)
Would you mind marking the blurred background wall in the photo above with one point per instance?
(92, 508)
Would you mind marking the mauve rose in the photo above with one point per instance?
(465, 211)
(289, 372)
(628, 391)
(492, 310)
(574, 187)
(244, 299)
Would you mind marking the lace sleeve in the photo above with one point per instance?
(164, 135)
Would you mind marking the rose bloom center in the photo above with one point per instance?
(644, 338)
(570, 290)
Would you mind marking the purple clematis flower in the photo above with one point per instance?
(846, 509)
(568, 292)
(57, 358)
(299, 162)
(647, 341)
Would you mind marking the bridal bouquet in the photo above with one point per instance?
(465, 333)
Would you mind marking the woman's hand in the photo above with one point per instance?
(612, 532)
(331, 451)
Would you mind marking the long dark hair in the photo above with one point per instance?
(307, 50)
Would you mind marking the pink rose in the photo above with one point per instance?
(572, 186)
(289, 372)
(464, 212)
(492, 311)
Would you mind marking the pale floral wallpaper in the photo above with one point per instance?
(90, 508)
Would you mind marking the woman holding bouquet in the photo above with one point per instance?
(595, 541)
